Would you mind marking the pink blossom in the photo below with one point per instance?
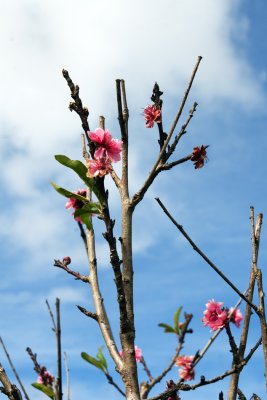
(199, 156)
(214, 316)
(138, 353)
(75, 203)
(98, 167)
(152, 114)
(107, 147)
(236, 316)
(186, 371)
(45, 378)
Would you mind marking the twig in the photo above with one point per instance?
(111, 382)
(255, 238)
(59, 364)
(213, 266)
(147, 371)
(154, 172)
(168, 166)
(101, 314)
(185, 387)
(123, 116)
(241, 395)
(13, 369)
(10, 390)
(262, 320)
(77, 106)
(82, 232)
(77, 275)
(88, 313)
(51, 316)
(258, 273)
(234, 348)
(182, 131)
(67, 374)
(146, 388)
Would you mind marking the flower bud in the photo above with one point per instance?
(66, 260)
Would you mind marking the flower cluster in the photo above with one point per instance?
(75, 203)
(138, 354)
(152, 114)
(186, 371)
(199, 156)
(107, 151)
(216, 316)
(45, 378)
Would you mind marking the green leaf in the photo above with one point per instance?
(80, 169)
(90, 208)
(84, 216)
(45, 389)
(176, 319)
(167, 328)
(101, 357)
(91, 360)
(68, 194)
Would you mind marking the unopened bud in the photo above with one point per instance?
(66, 260)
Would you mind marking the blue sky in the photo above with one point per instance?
(142, 42)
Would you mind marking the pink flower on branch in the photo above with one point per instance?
(98, 167)
(236, 316)
(199, 156)
(75, 203)
(186, 371)
(45, 378)
(138, 353)
(106, 146)
(215, 316)
(152, 114)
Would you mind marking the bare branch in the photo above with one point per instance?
(213, 266)
(59, 358)
(255, 239)
(154, 172)
(146, 388)
(168, 166)
(111, 382)
(88, 313)
(98, 301)
(186, 387)
(51, 316)
(77, 106)
(67, 375)
(182, 131)
(14, 370)
(77, 275)
(10, 390)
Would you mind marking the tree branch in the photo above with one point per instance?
(182, 131)
(186, 387)
(213, 266)
(149, 385)
(77, 275)
(14, 370)
(154, 172)
(10, 390)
